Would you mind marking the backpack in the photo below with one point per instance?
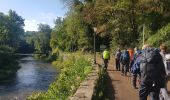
(125, 56)
(106, 55)
(136, 65)
(152, 68)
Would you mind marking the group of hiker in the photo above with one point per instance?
(150, 66)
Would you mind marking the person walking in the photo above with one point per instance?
(106, 57)
(135, 70)
(117, 59)
(163, 92)
(152, 73)
(125, 60)
(131, 54)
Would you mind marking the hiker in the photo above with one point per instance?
(131, 56)
(106, 57)
(135, 70)
(136, 52)
(117, 59)
(163, 91)
(125, 60)
(152, 73)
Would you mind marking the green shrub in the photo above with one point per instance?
(162, 36)
(8, 62)
(51, 58)
(74, 69)
(6, 49)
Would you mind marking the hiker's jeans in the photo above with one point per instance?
(149, 90)
(117, 64)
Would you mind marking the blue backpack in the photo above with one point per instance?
(125, 56)
(136, 65)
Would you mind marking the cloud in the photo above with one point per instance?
(31, 25)
(44, 18)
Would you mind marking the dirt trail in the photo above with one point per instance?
(120, 87)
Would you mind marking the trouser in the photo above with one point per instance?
(149, 90)
(134, 79)
(117, 64)
(125, 68)
(105, 63)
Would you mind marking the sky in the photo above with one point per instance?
(35, 11)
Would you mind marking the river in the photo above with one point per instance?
(33, 76)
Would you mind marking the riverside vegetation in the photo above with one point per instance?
(73, 70)
(8, 63)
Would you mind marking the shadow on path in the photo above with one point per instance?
(110, 92)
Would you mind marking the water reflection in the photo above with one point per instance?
(33, 76)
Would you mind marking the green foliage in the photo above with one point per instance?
(8, 62)
(11, 29)
(162, 36)
(6, 49)
(118, 22)
(42, 40)
(70, 34)
(74, 69)
(53, 56)
(59, 38)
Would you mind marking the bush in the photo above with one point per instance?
(8, 62)
(162, 36)
(6, 49)
(51, 58)
(74, 69)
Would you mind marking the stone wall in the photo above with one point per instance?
(87, 87)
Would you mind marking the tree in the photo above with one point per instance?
(11, 29)
(15, 26)
(42, 39)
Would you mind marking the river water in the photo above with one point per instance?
(33, 76)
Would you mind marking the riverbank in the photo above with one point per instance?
(74, 68)
(33, 76)
(8, 63)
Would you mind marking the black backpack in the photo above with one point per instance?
(152, 68)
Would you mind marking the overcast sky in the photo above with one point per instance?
(35, 11)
